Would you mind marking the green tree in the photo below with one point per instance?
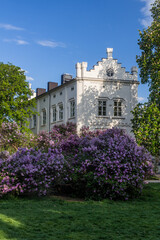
(149, 60)
(146, 127)
(14, 94)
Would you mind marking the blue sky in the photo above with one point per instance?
(47, 38)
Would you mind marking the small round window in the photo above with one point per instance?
(110, 72)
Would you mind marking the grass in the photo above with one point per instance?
(50, 218)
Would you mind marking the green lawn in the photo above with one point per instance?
(50, 219)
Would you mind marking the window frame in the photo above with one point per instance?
(72, 108)
(102, 110)
(54, 113)
(42, 117)
(34, 121)
(60, 112)
(118, 108)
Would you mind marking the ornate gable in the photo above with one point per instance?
(107, 68)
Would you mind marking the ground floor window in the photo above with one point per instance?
(54, 114)
(34, 121)
(43, 117)
(72, 108)
(60, 111)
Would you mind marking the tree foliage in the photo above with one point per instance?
(149, 60)
(146, 127)
(14, 94)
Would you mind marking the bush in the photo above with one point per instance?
(11, 137)
(29, 171)
(46, 140)
(109, 165)
(94, 165)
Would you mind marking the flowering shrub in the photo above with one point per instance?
(95, 165)
(11, 137)
(109, 165)
(46, 140)
(31, 171)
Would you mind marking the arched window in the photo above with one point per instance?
(43, 117)
(54, 113)
(60, 111)
(72, 108)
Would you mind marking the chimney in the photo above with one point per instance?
(65, 78)
(109, 53)
(40, 91)
(52, 85)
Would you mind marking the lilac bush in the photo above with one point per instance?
(11, 137)
(52, 139)
(29, 171)
(109, 165)
(96, 165)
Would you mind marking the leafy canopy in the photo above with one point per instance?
(14, 94)
(146, 117)
(146, 127)
(149, 60)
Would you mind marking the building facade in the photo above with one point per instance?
(100, 98)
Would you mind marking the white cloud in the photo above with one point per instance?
(21, 42)
(25, 71)
(142, 99)
(147, 19)
(10, 27)
(17, 41)
(51, 44)
(29, 78)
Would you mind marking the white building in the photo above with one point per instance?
(100, 98)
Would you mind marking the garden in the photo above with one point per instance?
(64, 185)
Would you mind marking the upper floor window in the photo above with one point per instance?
(54, 113)
(61, 111)
(110, 72)
(43, 117)
(117, 108)
(72, 108)
(102, 107)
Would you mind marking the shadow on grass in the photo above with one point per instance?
(52, 219)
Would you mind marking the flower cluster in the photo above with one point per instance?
(108, 165)
(11, 136)
(95, 165)
(30, 171)
(58, 133)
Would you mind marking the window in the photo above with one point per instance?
(60, 111)
(30, 123)
(110, 72)
(72, 108)
(72, 88)
(102, 107)
(60, 93)
(43, 117)
(34, 121)
(118, 108)
(54, 113)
